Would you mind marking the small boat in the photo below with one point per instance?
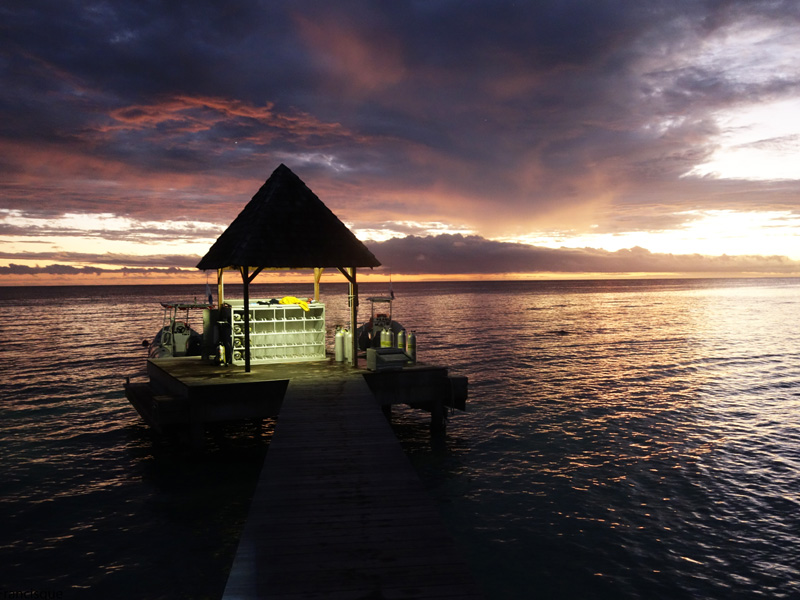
(369, 334)
(176, 336)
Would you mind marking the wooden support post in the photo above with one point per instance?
(317, 277)
(438, 408)
(247, 278)
(208, 333)
(246, 296)
(354, 314)
(350, 275)
(438, 416)
(197, 427)
(220, 287)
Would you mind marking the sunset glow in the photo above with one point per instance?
(703, 232)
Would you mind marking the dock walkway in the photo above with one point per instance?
(339, 511)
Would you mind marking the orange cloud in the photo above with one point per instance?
(186, 114)
(59, 179)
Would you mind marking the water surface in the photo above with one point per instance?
(623, 440)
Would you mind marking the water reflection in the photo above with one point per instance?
(606, 428)
(622, 440)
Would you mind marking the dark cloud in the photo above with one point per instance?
(55, 269)
(457, 254)
(179, 261)
(442, 255)
(499, 116)
(14, 269)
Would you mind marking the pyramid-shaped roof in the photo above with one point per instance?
(286, 225)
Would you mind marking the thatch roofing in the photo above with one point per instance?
(286, 225)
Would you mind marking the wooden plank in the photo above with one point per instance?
(339, 512)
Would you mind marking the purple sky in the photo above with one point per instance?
(458, 138)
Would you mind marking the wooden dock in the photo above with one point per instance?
(188, 392)
(339, 512)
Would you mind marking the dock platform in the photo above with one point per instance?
(190, 393)
(339, 511)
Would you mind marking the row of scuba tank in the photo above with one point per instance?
(343, 343)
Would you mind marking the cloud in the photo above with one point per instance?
(497, 117)
(118, 260)
(57, 269)
(227, 121)
(462, 255)
(445, 254)
(15, 269)
(61, 269)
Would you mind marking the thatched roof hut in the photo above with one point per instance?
(286, 226)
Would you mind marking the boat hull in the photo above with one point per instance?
(183, 341)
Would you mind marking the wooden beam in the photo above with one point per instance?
(317, 276)
(346, 273)
(254, 274)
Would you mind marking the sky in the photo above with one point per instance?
(458, 139)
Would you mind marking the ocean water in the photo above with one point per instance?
(623, 439)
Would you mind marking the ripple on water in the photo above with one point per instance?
(622, 440)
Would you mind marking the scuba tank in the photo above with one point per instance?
(411, 346)
(221, 353)
(386, 338)
(401, 339)
(338, 345)
(348, 345)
